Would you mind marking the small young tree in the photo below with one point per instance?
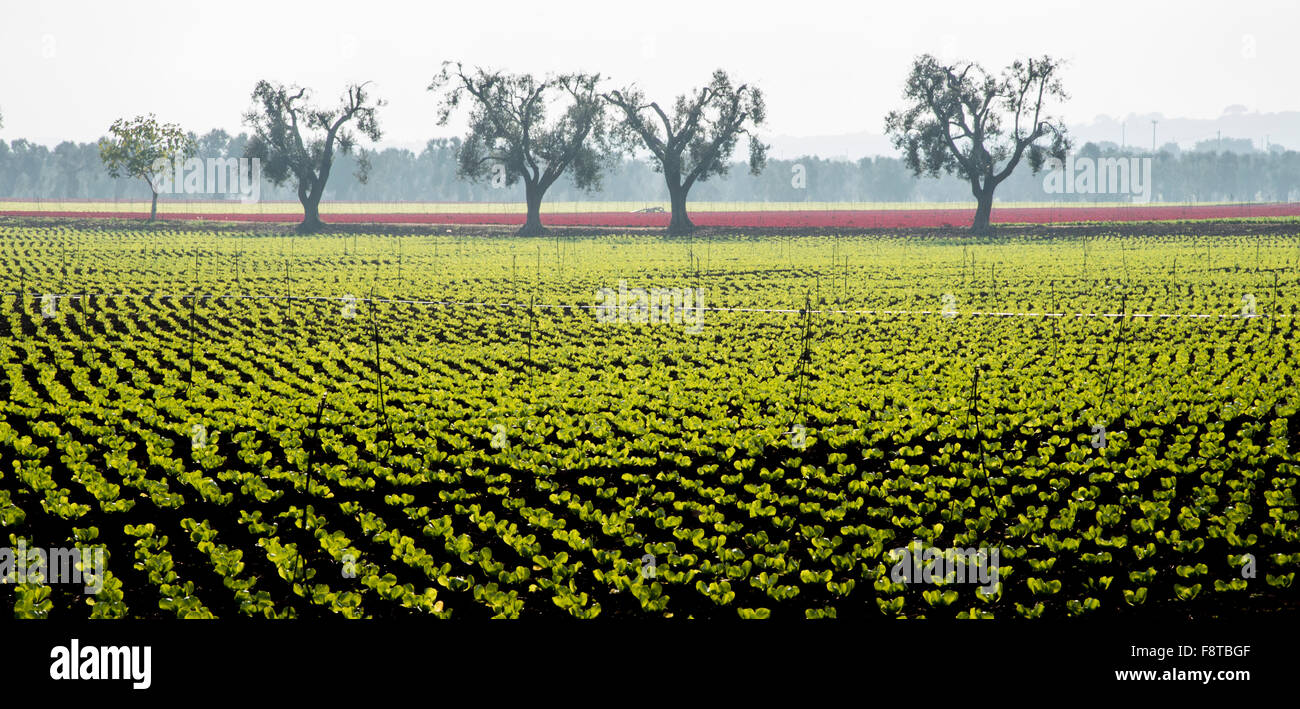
(296, 141)
(510, 138)
(977, 126)
(144, 148)
(697, 141)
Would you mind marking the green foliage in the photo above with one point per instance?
(144, 148)
(644, 470)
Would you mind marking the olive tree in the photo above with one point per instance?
(297, 141)
(512, 136)
(977, 126)
(695, 140)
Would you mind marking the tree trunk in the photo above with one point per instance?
(533, 224)
(681, 223)
(983, 210)
(153, 211)
(311, 222)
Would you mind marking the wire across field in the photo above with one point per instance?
(24, 297)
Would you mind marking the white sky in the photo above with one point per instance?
(828, 68)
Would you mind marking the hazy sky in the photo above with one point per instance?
(71, 68)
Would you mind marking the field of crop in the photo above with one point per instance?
(771, 215)
(280, 426)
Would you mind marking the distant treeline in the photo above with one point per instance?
(74, 171)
